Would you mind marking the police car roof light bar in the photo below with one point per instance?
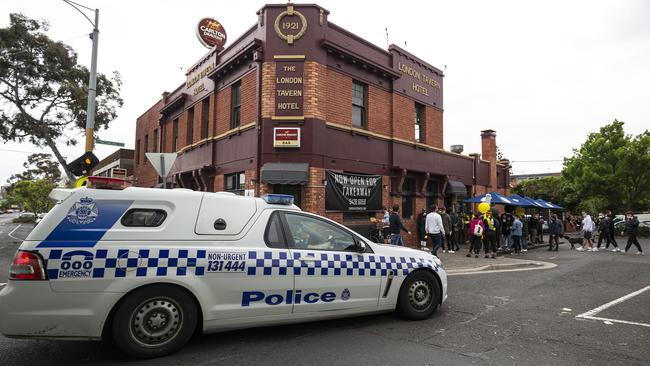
(107, 183)
(278, 199)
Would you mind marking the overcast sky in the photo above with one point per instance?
(542, 74)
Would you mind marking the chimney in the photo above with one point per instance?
(489, 153)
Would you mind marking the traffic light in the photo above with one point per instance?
(83, 164)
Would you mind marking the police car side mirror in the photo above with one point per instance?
(360, 246)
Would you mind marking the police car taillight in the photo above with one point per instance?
(27, 266)
(107, 183)
(278, 199)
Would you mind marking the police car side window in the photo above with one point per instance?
(311, 233)
(143, 217)
(273, 235)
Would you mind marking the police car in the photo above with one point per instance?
(150, 268)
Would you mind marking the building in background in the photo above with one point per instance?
(299, 105)
(119, 164)
(518, 178)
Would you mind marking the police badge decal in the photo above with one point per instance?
(345, 295)
(83, 212)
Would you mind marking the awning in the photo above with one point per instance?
(457, 188)
(285, 173)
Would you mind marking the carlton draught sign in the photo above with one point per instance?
(352, 192)
(211, 33)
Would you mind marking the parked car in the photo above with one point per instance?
(644, 228)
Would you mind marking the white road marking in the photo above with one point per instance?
(14, 230)
(566, 309)
(591, 313)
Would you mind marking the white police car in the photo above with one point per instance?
(153, 267)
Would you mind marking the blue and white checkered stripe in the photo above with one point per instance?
(125, 263)
(274, 263)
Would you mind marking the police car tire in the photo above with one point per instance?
(180, 303)
(416, 283)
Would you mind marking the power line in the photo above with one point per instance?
(22, 151)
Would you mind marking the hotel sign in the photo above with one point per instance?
(418, 81)
(286, 137)
(289, 87)
(211, 33)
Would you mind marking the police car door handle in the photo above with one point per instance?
(309, 258)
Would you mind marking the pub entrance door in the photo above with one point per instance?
(293, 189)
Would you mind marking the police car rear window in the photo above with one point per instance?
(143, 217)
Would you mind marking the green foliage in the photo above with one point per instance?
(38, 166)
(32, 195)
(611, 170)
(547, 188)
(43, 91)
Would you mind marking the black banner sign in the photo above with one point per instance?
(352, 192)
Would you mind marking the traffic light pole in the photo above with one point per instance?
(92, 88)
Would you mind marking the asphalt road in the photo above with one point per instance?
(515, 318)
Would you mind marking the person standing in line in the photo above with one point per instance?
(532, 228)
(454, 228)
(446, 222)
(422, 234)
(396, 226)
(524, 233)
(477, 229)
(555, 229)
(515, 232)
(464, 227)
(612, 232)
(540, 230)
(632, 229)
(385, 226)
(435, 229)
(490, 235)
(587, 230)
(506, 230)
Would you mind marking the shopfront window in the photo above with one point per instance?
(408, 191)
(359, 104)
(235, 183)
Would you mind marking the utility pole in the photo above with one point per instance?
(92, 82)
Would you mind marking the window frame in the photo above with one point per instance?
(409, 195)
(283, 237)
(288, 236)
(240, 183)
(364, 107)
(130, 211)
(419, 119)
(235, 105)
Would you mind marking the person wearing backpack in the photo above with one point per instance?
(476, 228)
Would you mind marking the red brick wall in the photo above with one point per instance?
(315, 90)
(248, 98)
(268, 89)
(144, 174)
(339, 98)
(433, 128)
(223, 110)
(403, 118)
(379, 111)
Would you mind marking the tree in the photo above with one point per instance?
(38, 166)
(43, 90)
(611, 170)
(547, 188)
(32, 195)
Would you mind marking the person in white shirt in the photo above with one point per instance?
(434, 229)
(587, 230)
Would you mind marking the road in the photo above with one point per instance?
(508, 318)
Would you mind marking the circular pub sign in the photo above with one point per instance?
(211, 33)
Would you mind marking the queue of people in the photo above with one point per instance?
(440, 228)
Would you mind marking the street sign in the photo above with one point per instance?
(112, 143)
(163, 163)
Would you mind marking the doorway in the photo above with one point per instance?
(291, 189)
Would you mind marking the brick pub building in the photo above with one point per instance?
(297, 105)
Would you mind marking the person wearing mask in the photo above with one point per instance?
(587, 230)
(477, 230)
(422, 234)
(515, 232)
(555, 229)
(632, 230)
(532, 228)
(396, 227)
(603, 230)
(435, 229)
(385, 226)
(446, 222)
(490, 235)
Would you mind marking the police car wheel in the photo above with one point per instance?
(419, 296)
(154, 321)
